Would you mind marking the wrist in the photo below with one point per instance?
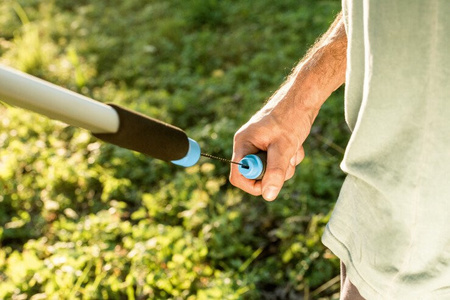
(298, 97)
(289, 111)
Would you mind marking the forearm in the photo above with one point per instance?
(282, 125)
(317, 75)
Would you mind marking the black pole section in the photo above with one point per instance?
(147, 135)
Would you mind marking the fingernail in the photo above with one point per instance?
(293, 160)
(270, 193)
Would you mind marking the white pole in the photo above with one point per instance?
(26, 91)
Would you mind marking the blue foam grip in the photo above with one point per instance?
(253, 166)
(192, 156)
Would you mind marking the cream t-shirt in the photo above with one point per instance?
(391, 223)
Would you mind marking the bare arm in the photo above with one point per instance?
(282, 125)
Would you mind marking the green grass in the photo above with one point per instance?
(81, 219)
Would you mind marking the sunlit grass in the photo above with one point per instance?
(83, 219)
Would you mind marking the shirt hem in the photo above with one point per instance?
(341, 251)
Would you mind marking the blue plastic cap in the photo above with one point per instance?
(252, 166)
(192, 156)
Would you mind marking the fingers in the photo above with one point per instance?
(294, 162)
(284, 152)
(279, 168)
(240, 150)
(253, 187)
(282, 159)
(299, 155)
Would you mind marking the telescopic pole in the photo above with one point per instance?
(111, 123)
(55, 102)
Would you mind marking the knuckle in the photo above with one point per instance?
(292, 143)
(276, 172)
(237, 135)
(290, 173)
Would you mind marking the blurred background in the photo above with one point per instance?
(81, 219)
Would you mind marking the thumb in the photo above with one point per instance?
(277, 166)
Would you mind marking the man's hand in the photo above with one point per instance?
(279, 130)
(282, 125)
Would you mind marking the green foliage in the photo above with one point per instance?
(81, 219)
